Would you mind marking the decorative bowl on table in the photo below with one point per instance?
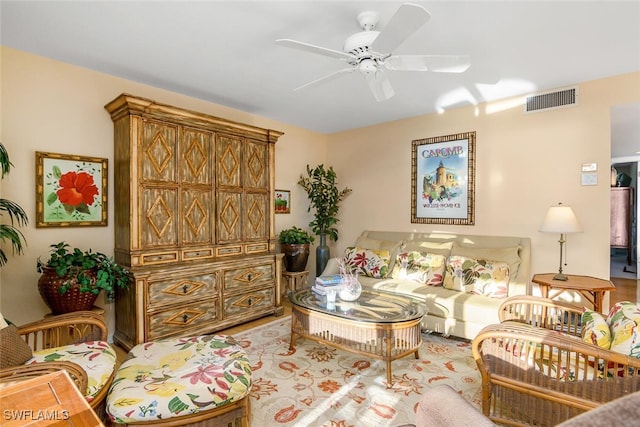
(350, 289)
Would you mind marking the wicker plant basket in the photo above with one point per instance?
(73, 300)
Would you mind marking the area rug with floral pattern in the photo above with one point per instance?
(317, 385)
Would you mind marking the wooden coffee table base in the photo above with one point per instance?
(386, 341)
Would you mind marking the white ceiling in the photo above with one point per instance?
(224, 51)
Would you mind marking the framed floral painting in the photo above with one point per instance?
(71, 191)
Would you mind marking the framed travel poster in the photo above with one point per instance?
(443, 179)
(283, 201)
(71, 191)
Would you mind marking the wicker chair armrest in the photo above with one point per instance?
(542, 312)
(64, 329)
(525, 367)
(19, 373)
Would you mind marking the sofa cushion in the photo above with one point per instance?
(595, 329)
(371, 263)
(419, 267)
(478, 276)
(393, 246)
(623, 320)
(509, 255)
(439, 248)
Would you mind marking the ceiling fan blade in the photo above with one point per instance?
(406, 21)
(307, 47)
(435, 63)
(327, 78)
(380, 85)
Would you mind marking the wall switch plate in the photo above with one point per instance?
(589, 178)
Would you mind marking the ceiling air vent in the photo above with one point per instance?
(551, 100)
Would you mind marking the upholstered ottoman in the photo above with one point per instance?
(193, 381)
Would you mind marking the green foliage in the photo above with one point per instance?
(76, 262)
(321, 186)
(295, 236)
(18, 218)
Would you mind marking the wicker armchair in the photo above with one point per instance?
(59, 333)
(537, 371)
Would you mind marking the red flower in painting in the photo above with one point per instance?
(77, 188)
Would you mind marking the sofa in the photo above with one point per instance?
(452, 273)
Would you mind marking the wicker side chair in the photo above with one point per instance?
(535, 375)
(55, 336)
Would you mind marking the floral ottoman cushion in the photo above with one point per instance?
(97, 358)
(181, 376)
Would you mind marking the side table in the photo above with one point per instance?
(593, 289)
(295, 280)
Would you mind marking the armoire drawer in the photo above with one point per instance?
(249, 276)
(181, 320)
(175, 290)
(248, 303)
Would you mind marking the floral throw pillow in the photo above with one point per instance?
(478, 276)
(367, 262)
(623, 320)
(595, 329)
(419, 267)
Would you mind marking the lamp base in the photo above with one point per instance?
(561, 277)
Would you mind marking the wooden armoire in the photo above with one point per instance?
(622, 219)
(194, 221)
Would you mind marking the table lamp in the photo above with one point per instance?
(560, 219)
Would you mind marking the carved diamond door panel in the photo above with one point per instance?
(229, 223)
(158, 217)
(256, 170)
(157, 152)
(228, 153)
(196, 207)
(195, 165)
(255, 222)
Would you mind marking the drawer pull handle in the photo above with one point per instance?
(185, 318)
(249, 301)
(250, 276)
(185, 288)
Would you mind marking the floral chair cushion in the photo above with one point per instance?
(623, 320)
(478, 276)
(368, 262)
(595, 329)
(97, 358)
(174, 377)
(419, 267)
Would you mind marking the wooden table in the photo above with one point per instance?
(593, 289)
(48, 400)
(381, 325)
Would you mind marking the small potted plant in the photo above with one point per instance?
(295, 243)
(72, 279)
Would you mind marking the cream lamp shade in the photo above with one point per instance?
(560, 219)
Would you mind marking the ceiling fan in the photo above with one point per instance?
(368, 51)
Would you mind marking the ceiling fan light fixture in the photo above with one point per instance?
(367, 67)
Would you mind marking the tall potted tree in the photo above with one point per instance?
(321, 185)
(17, 216)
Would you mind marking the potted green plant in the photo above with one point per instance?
(18, 218)
(295, 243)
(321, 185)
(72, 279)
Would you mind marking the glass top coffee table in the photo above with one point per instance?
(379, 324)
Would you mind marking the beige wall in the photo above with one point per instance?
(55, 107)
(525, 163)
